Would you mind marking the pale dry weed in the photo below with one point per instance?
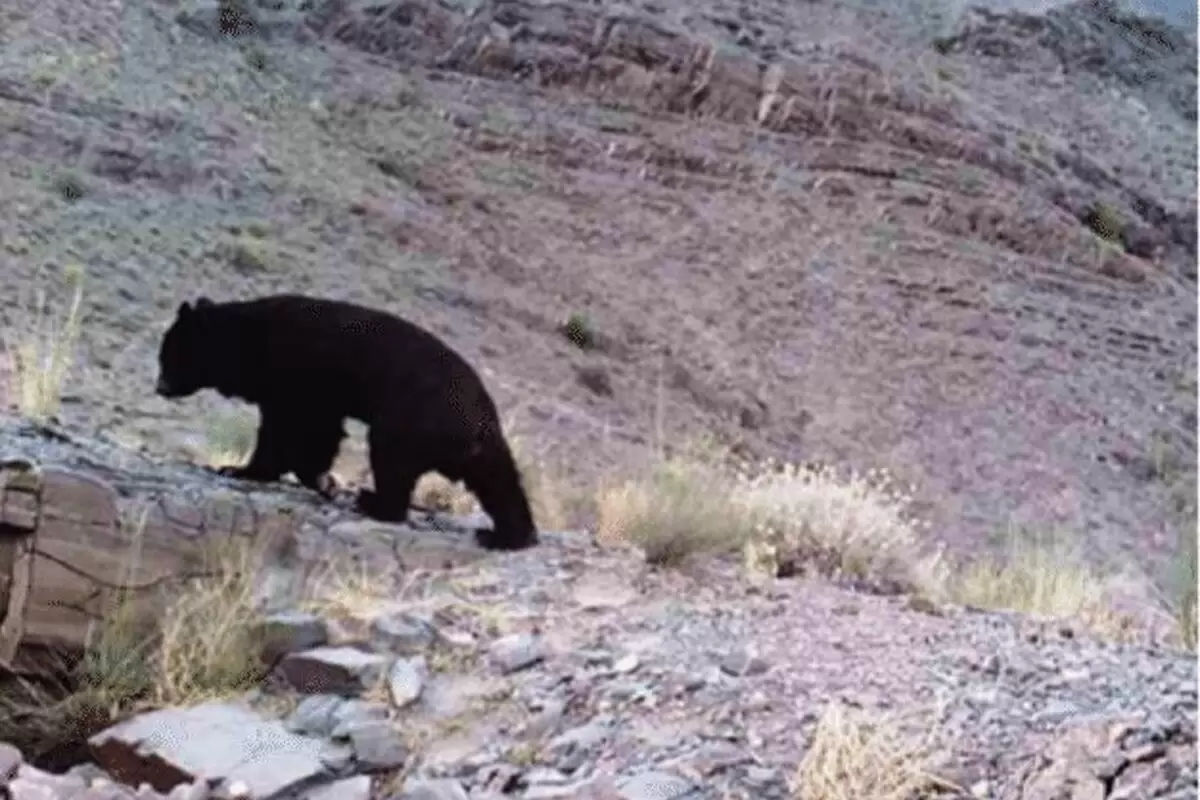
(41, 351)
(676, 509)
(207, 643)
(229, 439)
(1042, 577)
(857, 754)
(859, 526)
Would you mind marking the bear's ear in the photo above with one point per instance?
(184, 309)
(204, 302)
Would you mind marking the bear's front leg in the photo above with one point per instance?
(270, 458)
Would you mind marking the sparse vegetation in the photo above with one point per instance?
(435, 491)
(1186, 578)
(248, 256)
(256, 58)
(70, 186)
(1107, 222)
(857, 754)
(1038, 575)
(858, 526)
(229, 439)
(42, 351)
(579, 332)
(786, 519)
(675, 509)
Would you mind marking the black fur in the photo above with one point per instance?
(309, 363)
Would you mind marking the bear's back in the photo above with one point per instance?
(369, 363)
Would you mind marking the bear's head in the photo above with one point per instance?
(186, 352)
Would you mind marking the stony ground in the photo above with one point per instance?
(576, 670)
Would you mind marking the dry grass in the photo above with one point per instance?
(41, 350)
(556, 504)
(207, 636)
(677, 508)
(1041, 576)
(437, 492)
(857, 526)
(857, 754)
(348, 593)
(1183, 605)
(202, 647)
(785, 518)
(229, 439)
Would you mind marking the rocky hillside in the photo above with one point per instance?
(402, 662)
(954, 244)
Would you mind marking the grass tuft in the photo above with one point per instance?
(857, 754)
(42, 352)
(1040, 576)
(676, 509)
(858, 526)
(229, 439)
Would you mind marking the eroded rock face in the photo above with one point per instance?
(75, 511)
(1115, 758)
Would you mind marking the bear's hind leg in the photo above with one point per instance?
(491, 475)
(395, 474)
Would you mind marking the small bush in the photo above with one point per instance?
(679, 508)
(256, 58)
(70, 186)
(579, 332)
(207, 645)
(1038, 576)
(42, 351)
(229, 439)
(248, 256)
(1106, 221)
(856, 754)
(858, 526)
(435, 491)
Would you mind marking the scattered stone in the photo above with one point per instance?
(406, 680)
(291, 632)
(314, 715)
(546, 719)
(597, 592)
(627, 664)
(344, 671)
(353, 712)
(356, 788)
(516, 652)
(10, 761)
(402, 634)
(743, 664)
(217, 743)
(655, 786)
(432, 790)
(572, 748)
(376, 745)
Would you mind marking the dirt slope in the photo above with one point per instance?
(818, 230)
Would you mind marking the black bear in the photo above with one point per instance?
(309, 363)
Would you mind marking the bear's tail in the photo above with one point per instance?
(495, 480)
